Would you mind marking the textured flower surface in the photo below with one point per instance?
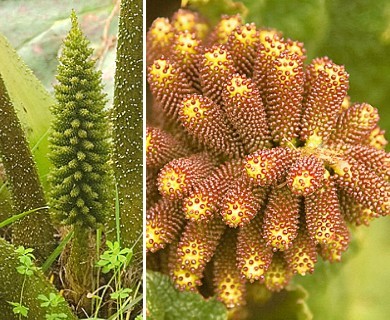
(79, 142)
(258, 163)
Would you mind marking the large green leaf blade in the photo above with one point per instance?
(31, 101)
(164, 302)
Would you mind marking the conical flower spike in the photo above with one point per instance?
(178, 177)
(241, 203)
(302, 255)
(158, 39)
(205, 198)
(326, 93)
(224, 28)
(187, 20)
(375, 159)
(333, 249)
(278, 275)
(184, 279)
(200, 204)
(228, 284)
(284, 94)
(169, 84)
(323, 213)
(355, 124)
(364, 186)
(376, 139)
(280, 223)
(196, 247)
(253, 256)
(245, 111)
(268, 166)
(272, 45)
(306, 175)
(216, 65)
(205, 121)
(185, 51)
(80, 178)
(161, 148)
(164, 221)
(266, 34)
(353, 212)
(243, 44)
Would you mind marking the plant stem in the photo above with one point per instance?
(79, 266)
(127, 121)
(21, 294)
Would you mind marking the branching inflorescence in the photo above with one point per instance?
(257, 161)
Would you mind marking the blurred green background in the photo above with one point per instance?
(353, 33)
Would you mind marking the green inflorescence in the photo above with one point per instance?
(80, 178)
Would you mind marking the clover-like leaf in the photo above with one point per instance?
(122, 293)
(51, 301)
(56, 316)
(165, 302)
(18, 308)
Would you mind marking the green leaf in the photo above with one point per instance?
(53, 256)
(19, 308)
(286, 304)
(19, 216)
(25, 252)
(31, 102)
(122, 293)
(25, 270)
(166, 303)
(56, 316)
(53, 300)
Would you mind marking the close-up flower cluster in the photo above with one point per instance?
(258, 162)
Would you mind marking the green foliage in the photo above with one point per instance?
(114, 257)
(115, 260)
(19, 309)
(25, 188)
(57, 251)
(56, 316)
(22, 282)
(16, 217)
(26, 258)
(31, 102)
(80, 178)
(166, 303)
(122, 293)
(53, 300)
